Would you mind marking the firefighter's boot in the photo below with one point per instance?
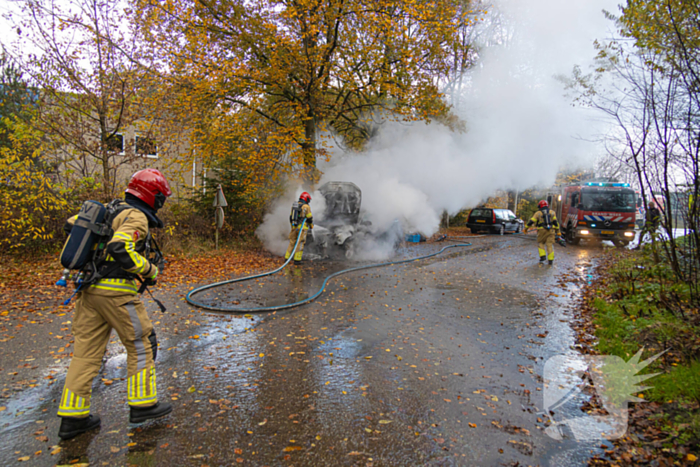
(139, 415)
(551, 262)
(72, 427)
(542, 259)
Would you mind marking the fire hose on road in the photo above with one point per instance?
(225, 309)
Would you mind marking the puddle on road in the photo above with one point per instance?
(562, 373)
(343, 390)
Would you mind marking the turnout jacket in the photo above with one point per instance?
(305, 214)
(126, 248)
(540, 221)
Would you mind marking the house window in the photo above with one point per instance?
(146, 147)
(115, 144)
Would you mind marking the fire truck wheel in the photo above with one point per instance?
(570, 236)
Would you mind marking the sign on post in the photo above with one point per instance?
(219, 198)
(219, 217)
(219, 204)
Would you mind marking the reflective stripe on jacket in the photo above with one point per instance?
(125, 248)
(538, 219)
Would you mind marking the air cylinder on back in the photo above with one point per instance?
(78, 249)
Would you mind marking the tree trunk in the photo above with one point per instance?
(309, 150)
(104, 156)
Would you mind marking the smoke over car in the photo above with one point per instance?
(341, 232)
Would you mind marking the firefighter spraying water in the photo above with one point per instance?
(300, 211)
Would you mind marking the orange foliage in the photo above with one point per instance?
(271, 80)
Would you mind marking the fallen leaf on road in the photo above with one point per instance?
(384, 422)
(292, 448)
(114, 449)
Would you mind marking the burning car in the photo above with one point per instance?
(341, 231)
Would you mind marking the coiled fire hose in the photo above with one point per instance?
(226, 309)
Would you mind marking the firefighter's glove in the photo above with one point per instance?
(152, 278)
(159, 262)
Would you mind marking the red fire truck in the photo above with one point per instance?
(596, 210)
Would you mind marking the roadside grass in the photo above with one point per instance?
(641, 306)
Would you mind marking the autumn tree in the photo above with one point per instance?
(310, 69)
(647, 82)
(33, 206)
(15, 97)
(89, 76)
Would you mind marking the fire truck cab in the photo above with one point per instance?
(596, 210)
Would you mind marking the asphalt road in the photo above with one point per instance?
(437, 362)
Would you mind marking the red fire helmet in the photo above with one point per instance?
(543, 204)
(305, 197)
(147, 184)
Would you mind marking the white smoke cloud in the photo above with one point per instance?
(274, 231)
(521, 128)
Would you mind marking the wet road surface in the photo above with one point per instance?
(436, 362)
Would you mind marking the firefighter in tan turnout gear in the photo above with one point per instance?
(300, 211)
(112, 302)
(547, 231)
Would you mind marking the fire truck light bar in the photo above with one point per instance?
(608, 184)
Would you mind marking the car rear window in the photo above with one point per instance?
(480, 213)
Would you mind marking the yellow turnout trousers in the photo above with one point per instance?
(95, 316)
(545, 241)
(292, 240)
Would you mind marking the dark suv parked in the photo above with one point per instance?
(494, 220)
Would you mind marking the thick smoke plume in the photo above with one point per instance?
(521, 129)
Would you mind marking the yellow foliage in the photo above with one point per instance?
(30, 203)
(270, 81)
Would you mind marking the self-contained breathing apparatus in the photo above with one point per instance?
(546, 218)
(295, 215)
(547, 224)
(84, 255)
